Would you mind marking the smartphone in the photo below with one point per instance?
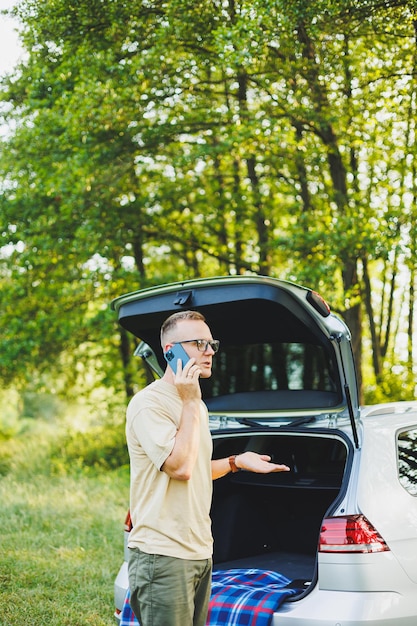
(173, 354)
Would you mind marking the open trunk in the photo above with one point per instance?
(273, 521)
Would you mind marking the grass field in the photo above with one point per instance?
(61, 545)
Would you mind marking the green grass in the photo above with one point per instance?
(61, 545)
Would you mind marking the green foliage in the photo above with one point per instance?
(5, 458)
(156, 141)
(98, 448)
(69, 445)
(9, 422)
(396, 385)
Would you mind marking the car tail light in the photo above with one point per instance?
(350, 533)
(128, 522)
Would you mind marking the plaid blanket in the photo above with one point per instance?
(128, 617)
(246, 597)
(239, 597)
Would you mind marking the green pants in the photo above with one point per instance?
(165, 591)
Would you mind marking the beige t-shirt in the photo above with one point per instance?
(170, 517)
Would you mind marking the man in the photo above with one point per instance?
(170, 452)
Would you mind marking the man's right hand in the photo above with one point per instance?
(187, 381)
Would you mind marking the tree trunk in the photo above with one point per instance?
(125, 349)
(367, 295)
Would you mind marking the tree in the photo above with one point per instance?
(156, 141)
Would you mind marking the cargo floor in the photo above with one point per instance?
(293, 566)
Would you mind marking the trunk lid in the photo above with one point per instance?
(283, 356)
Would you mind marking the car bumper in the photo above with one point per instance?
(121, 585)
(339, 608)
(323, 607)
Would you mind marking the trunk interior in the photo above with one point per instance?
(272, 521)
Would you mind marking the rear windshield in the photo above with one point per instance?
(264, 367)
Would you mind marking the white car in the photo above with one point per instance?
(342, 525)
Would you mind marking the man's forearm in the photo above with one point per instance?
(180, 463)
(250, 461)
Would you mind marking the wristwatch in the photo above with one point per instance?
(232, 463)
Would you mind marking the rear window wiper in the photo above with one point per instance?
(248, 422)
(301, 421)
(254, 424)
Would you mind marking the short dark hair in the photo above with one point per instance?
(173, 320)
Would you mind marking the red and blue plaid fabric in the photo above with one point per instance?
(128, 617)
(239, 597)
(246, 597)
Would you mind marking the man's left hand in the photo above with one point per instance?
(259, 463)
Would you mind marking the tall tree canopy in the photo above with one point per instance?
(159, 140)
